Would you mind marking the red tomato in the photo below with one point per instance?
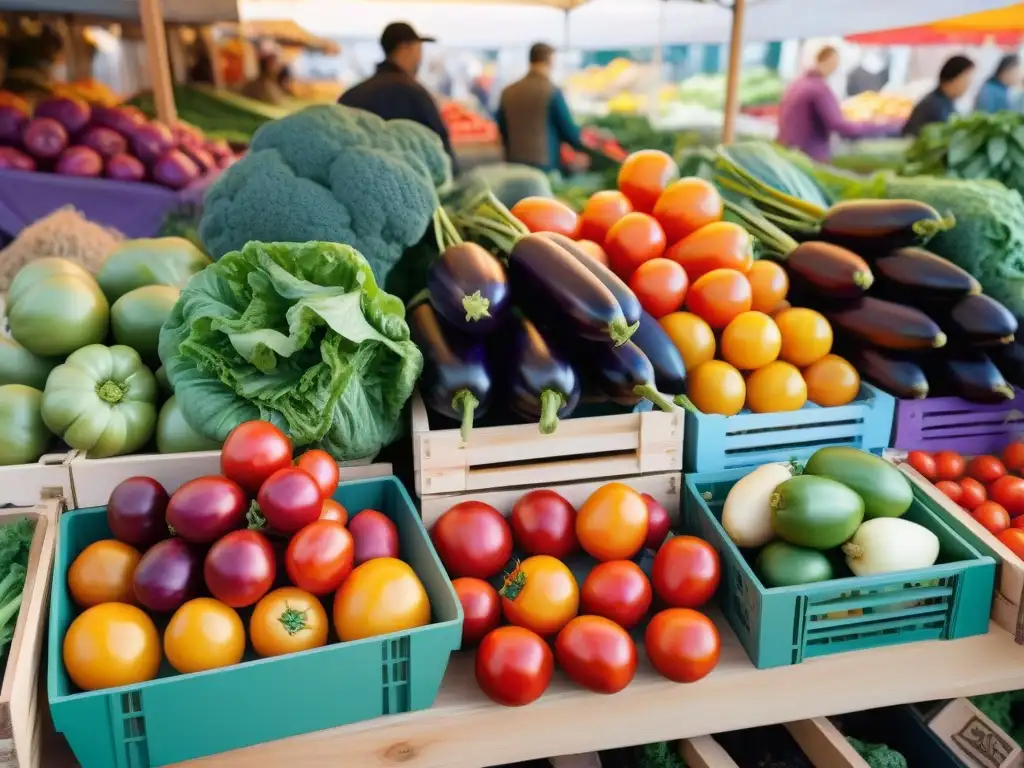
(722, 245)
(657, 522)
(660, 285)
(240, 568)
(972, 493)
(253, 452)
(719, 296)
(332, 510)
(1009, 492)
(985, 469)
(687, 205)
(949, 465)
(204, 509)
(596, 653)
(374, 536)
(1013, 539)
(1013, 456)
(320, 556)
(683, 645)
(618, 590)
(544, 214)
(290, 499)
(923, 462)
(992, 516)
(632, 240)
(472, 539)
(951, 489)
(1017, 522)
(324, 469)
(544, 523)
(686, 572)
(603, 209)
(481, 607)
(644, 175)
(513, 666)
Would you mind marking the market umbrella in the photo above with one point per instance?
(1003, 26)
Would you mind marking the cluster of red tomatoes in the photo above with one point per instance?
(540, 599)
(214, 547)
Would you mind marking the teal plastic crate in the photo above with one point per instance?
(183, 717)
(785, 625)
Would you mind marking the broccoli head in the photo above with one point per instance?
(878, 755)
(330, 173)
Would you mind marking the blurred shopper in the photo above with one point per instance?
(392, 92)
(995, 94)
(939, 105)
(533, 117)
(810, 113)
(265, 86)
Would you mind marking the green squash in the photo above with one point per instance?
(136, 318)
(25, 436)
(157, 261)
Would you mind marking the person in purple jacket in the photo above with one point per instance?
(809, 112)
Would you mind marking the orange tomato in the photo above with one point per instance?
(644, 175)
(722, 245)
(1013, 539)
(541, 595)
(594, 250)
(691, 336)
(103, 573)
(751, 340)
(687, 205)
(633, 240)
(769, 285)
(660, 286)
(332, 510)
(832, 381)
(380, 596)
(204, 634)
(719, 296)
(716, 387)
(776, 387)
(612, 523)
(782, 306)
(544, 214)
(1013, 456)
(806, 336)
(109, 645)
(287, 620)
(603, 209)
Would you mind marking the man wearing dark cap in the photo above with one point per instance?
(392, 92)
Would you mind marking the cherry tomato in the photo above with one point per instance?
(324, 469)
(204, 634)
(380, 596)
(600, 212)
(594, 250)
(544, 214)
(951, 489)
(540, 594)
(110, 645)
(319, 557)
(472, 539)
(660, 285)
(1009, 492)
(332, 510)
(618, 590)
(985, 469)
(103, 573)
(972, 493)
(253, 452)
(683, 645)
(544, 523)
(374, 535)
(480, 606)
(1013, 456)
(136, 511)
(644, 175)
(634, 239)
(1011, 538)
(596, 653)
(686, 572)
(287, 620)
(949, 465)
(513, 666)
(687, 205)
(240, 568)
(993, 516)
(722, 245)
(290, 499)
(719, 296)
(658, 522)
(612, 523)
(923, 462)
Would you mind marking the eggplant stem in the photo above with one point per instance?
(863, 279)
(448, 233)
(465, 401)
(648, 391)
(928, 228)
(550, 403)
(476, 306)
(940, 340)
(438, 235)
(619, 332)
(686, 404)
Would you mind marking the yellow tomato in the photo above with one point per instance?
(806, 336)
(287, 620)
(716, 387)
(103, 574)
(691, 336)
(612, 523)
(541, 595)
(751, 340)
(204, 634)
(380, 596)
(109, 645)
(832, 381)
(776, 387)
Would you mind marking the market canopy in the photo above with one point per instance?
(175, 11)
(286, 33)
(1004, 26)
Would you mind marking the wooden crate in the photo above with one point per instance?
(25, 485)
(22, 703)
(502, 457)
(823, 745)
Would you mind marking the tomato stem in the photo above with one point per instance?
(292, 620)
(111, 392)
(254, 518)
(514, 583)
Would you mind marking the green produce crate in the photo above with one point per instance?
(183, 717)
(785, 625)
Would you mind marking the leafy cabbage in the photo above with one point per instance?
(299, 335)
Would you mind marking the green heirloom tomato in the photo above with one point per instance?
(156, 261)
(102, 400)
(174, 435)
(137, 316)
(55, 307)
(162, 384)
(19, 366)
(25, 436)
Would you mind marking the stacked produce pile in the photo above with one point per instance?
(467, 126)
(540, 599)
(874, 107)
(192, 560)
(15, 542)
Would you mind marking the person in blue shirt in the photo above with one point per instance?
(994, 95)
(534, 119)
(940, 105)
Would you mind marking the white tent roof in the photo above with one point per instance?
(180, 11)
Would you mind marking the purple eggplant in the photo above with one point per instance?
(468, 288)
(544, 386)
(669, 369)
(455, 382)
(623, 374)
(167, 575)
(556, 290)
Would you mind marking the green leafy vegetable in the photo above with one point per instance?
(15, 542)
(296, 334)
(878, 755)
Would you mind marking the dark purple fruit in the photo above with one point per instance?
(204, 509)
(167, 576)
(137, 510)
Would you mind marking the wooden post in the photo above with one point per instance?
(155, 37)
(732, 87)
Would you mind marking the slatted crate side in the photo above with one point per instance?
(517, 454)
(705, 752)
(951, 423)
(25, 485)
(822, 742)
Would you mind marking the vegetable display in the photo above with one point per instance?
(15, 541)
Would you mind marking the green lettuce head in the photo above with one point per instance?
(299, 335)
